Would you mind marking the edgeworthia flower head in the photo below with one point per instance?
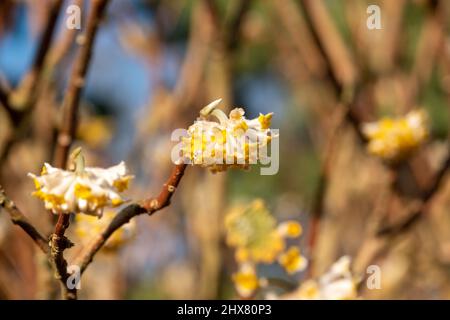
(254, 232)
(85, 190)
(395, 139)
(257, 238)
(229, 141)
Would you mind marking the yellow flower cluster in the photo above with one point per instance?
(87, 227)
(257, 238)
(86, 190)
(337, 284)
(229, 142)
(395, 139)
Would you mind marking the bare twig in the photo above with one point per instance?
(325, 171)
(343, 69)
(58, 244)
(4, 94)
(148, 206)
(234, 27)
(377, 244)
(426, 199)
(64, 42)
(76, 84)
(26, 91)
(19, 102)
(20, 220)
(70, 109)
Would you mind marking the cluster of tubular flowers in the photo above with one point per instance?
(85, 190)
(257, 238)
(337, 283)
(394, 139)
(228, 142)
(87, 227)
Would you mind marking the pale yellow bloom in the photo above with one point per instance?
(228, 142)
(83, 191)
(292, 261)
(252, 231)
(394, 139)
(245, 280)
(87, 227)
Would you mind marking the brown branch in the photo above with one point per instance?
(19, 102)
(76, 84)
(58, 244)
(25, 94)
(234, 26)
(301, 38)
(4, 97)
(20, 220)
(331, 44)
(64, 43)
(377, 244)
(325, 171)
(70, 109)
(148, 206)
(430, 44)
(341, 70)
(426, 198)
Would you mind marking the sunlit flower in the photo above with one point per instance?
(252, 230)
(86, 190)
(231, 141)
(394, 139)
(337, 284)
(246, 280)
(254, 233)
(292, 261)
(87, 227)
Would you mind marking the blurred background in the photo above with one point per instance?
(314, 64)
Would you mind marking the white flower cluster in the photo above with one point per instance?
(232, 141)
(82, 191)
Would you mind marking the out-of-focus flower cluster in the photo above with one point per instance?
(232, 142)
(85, 190)
(337, 284)
(395, 139)
(87, 227)
(257, 238)
(95, 131)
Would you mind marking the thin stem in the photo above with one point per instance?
(26, 91)
(20, 220)
(426, 198)
(4, 98)
(58, 244)
(76, 83)
(70, 109)
(149, 206)
(325, 172)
